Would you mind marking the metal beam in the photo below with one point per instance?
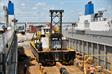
(42, 22)
(105, 57)
(98, 52)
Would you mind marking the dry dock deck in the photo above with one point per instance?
(34, 68)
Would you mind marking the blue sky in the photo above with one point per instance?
(38, 10)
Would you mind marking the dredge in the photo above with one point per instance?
(49, 45)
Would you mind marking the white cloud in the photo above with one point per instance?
(22, 4)
(34, 8)
(52, 8)
(40, 11)
(109, 7)
(41, 4)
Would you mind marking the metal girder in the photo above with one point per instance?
(41, 22)
(56, 19)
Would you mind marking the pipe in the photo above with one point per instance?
(63, 70)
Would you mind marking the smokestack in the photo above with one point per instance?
(89, 8)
